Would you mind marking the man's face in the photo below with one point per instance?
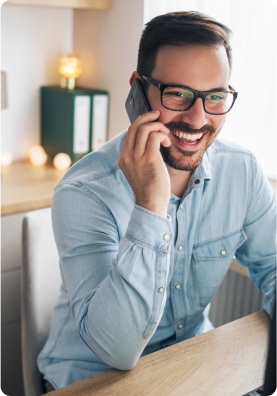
(201, 68)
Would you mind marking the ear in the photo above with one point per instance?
(133, 77)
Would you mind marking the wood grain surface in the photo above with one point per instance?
(227, 361)
(26, 187)
(94, 4)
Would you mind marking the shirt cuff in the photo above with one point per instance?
(150, 229)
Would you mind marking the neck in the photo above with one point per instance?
(179, 181)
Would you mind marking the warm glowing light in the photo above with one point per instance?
(34, 149)
(62, 161)
(6, 159)
(70, 69)
(70, 66)
(37, 155)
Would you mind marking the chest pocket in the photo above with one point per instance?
(211, 261)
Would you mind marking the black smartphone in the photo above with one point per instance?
(137, 102)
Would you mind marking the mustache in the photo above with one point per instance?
(184, 127)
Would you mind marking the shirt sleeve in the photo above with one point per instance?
(116, 288)
(258, 253)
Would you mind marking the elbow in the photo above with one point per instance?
(119, 354)
(124, 364)
(120, 360)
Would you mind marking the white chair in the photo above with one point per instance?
(40, 286)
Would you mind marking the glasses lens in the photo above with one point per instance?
(218, 102)
(175, 98)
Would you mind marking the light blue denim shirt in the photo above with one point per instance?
(134, 281)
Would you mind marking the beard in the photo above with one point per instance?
(187, 163)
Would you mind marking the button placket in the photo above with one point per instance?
(178, 302)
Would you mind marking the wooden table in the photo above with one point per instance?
(227, 361)
(26, 187)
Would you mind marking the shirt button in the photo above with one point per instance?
(180, 327)
(166, 237)
(177, 287)
(223, 252)
(181, 206)
(180, 247)
(197, 181)
(161, 289)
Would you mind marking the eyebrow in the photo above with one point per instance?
(187, 86)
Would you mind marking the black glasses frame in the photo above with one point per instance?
(197, 94)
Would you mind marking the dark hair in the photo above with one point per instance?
(180, 29)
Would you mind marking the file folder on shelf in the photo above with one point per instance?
(74, 122)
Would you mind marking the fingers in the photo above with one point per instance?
(153, 144)
(130, 138)
(143, 135)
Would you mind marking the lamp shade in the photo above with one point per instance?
(3, 91)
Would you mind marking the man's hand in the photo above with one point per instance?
(142, 164)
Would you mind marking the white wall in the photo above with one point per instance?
(107, 42)
(32, 39)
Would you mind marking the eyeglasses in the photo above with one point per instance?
(182, 98)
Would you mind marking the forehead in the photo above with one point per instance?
(200, 67)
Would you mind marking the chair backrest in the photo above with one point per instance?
(40, 286)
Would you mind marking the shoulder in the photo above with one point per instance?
(232, 164)
(97, 178)
(97, 164)
(224, 146)
(231, 157)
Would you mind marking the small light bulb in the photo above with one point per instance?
(34, 149)
(62, 161)
(38, 157)
(6, 159)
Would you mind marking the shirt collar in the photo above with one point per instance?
(205, 166)
(198, 176)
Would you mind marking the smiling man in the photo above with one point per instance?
(147, 225)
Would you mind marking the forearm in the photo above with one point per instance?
(117, 318)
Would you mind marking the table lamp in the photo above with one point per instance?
(70, 69)
(4, 101)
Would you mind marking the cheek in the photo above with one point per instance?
(167, 116)
(218, 121)
(154, 99)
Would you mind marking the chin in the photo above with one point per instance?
(185, 160)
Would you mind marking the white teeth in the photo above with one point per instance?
(188, 136)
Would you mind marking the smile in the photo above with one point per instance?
(188, 141)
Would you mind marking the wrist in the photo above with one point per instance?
(160, 210)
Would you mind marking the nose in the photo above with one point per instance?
(196, 115)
